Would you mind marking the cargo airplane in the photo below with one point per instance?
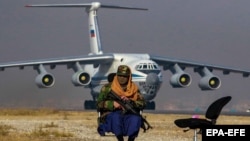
(94, 69)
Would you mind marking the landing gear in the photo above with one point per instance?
(89, 105)
(150, 105)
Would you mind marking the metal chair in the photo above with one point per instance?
(212, 115)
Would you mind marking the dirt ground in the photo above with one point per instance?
(82, 125)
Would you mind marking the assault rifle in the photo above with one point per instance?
(128, 107)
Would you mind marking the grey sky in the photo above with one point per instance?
(214, 32)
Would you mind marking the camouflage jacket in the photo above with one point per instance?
(105, 103)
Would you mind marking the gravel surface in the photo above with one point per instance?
(83, 126)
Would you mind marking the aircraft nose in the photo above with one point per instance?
(152, 79)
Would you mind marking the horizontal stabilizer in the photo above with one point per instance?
(94, 5)
(121, 7)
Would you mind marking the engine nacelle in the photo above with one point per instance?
(180, 80)
(45, 80)
(209, 82)
(81, 78)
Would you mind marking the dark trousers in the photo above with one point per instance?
(121, 124)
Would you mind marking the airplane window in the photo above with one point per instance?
(148, 68)
(155, 67)
(141, 66)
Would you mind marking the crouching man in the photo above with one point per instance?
(114, 117)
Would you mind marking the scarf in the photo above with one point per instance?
(131, 91)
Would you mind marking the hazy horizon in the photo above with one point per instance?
(213, 32)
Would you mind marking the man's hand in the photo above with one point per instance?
(124, 98)
(117, 105)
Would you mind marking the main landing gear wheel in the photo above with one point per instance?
(150, 105)
(89, 105)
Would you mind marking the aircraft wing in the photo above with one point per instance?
(85, 59)
(168, 62)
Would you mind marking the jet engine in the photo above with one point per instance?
(208, 80)
(81, 78)
(179, 78)
(209, 83)
(45, 80)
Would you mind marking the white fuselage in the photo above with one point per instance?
(145, 73)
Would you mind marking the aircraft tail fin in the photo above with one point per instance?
(91, 9)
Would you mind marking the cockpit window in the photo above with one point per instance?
(148, 68)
